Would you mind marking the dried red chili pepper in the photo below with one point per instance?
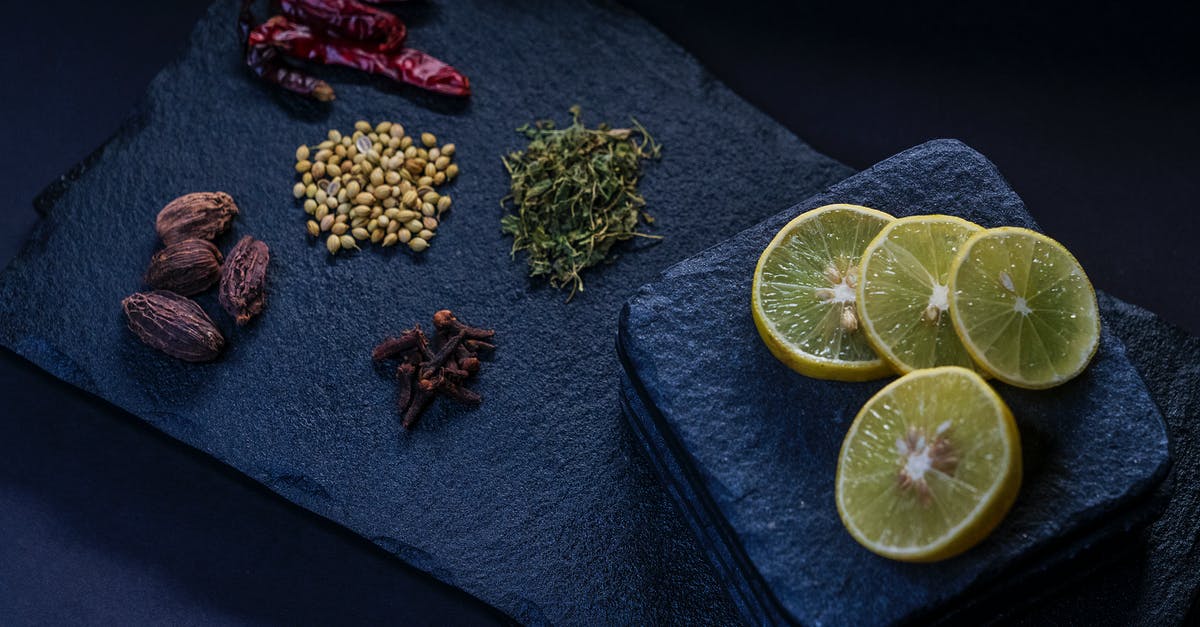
(333, 32)
(407, 65)
(262, 57)
(348, 19)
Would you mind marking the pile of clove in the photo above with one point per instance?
(427, 370)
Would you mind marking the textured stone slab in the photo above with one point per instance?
(537, 502)
(1150, 578)
(755, 444)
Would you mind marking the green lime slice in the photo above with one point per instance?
(803, 298)
(1023, 307)
(929, 467)
(903, 294)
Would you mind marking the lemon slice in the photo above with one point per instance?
(929, 467)
(1023, 307)
(903, 293)
(804, 292)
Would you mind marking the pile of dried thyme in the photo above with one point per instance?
(574, 195)
(375, 185)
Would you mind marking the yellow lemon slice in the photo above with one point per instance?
(1023, 307)
(803, 298)
(929, 467)
(903, 293)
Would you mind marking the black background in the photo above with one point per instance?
(1092, 113)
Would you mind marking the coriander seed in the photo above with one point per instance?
(374, 184)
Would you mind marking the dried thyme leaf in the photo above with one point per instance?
(574, 195)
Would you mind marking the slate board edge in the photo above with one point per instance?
(294, 497)
(749, 593)
(1037, 576)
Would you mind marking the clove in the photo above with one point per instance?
(438, 368)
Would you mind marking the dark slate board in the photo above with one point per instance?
(1150, 578)
(753, 445)
(537, 502)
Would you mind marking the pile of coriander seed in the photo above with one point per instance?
(376, 185)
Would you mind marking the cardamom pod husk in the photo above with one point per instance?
(243, 291)
(187, 268)
(200, 215)
(173, 324)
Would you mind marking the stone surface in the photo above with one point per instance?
(536, 502)
(1150, 578)
(755, 445)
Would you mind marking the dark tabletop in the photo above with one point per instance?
(1093, 118)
